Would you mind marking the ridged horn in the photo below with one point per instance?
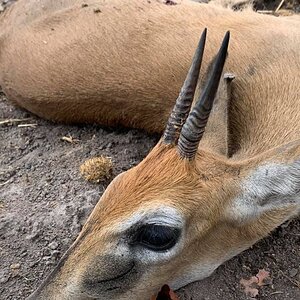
(193, 129)
(184, 101)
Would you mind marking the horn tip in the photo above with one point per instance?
(227, 36)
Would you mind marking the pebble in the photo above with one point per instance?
(46, 252)
(55, 253)
(15, 266)
(94, 152)
(3, 276)
(293, 272)
(35, 232)
(4, 279)
(53, 245)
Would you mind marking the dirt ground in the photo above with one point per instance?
(44, 202)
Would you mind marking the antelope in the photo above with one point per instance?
(226, 171)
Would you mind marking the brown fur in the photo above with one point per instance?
(125, 66)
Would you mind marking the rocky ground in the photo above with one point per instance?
(44, 203)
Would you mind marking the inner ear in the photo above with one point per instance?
(271, 186)
(215, 137)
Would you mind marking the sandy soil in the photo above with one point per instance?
(44, 202)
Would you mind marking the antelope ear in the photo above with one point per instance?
(215, 137)
(272, 185)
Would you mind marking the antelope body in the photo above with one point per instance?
(196, 200)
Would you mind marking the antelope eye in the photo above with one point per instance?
(157, 237)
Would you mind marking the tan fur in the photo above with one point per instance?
(125, 66)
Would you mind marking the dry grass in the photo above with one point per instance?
(96, 169)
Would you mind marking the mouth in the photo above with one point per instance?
(120, 276)
(111, 284)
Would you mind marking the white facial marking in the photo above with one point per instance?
(270, 186)
(194, 273)
(160, 215)
(199, 270)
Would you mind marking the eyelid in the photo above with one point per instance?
(162, 220)
(162, 215)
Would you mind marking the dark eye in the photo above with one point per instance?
(157, 237)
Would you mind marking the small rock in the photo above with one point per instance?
(53, 245)
(293, 272)
(94, 152)
(3, 277)
(170, 2)
(15, 266)
(35, 232)
(55, 254)
(46, 252)
(97, 10)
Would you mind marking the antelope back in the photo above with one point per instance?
(125, 64)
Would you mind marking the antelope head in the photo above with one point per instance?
(184, 210)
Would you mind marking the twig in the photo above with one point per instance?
(277, 292)
(267, 12)
(28, 125)
(279, 6)
(69, 139)
(8, 121)
(4, 183)
(294, 282)
(294, 234)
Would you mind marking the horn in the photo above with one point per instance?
(184, 101)
(193, 130)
